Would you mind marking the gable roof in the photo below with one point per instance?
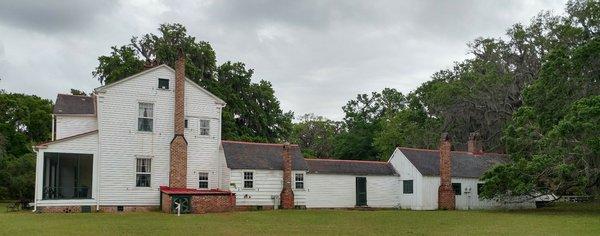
(331, 166)
(45, 144)
(74, 105)
(464, 164)
(165, 66)
(260, 156)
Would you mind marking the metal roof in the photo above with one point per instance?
(354, 167)
(74, 105)
(261, 156)
(464, 164)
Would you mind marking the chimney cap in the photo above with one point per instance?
(446, 137)
(474, 135)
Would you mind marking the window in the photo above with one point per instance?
(163, 83)
(457, 188)
(202, 180)
(407, 186)
(299, 180)
(204, 127)
(248, 179)
(145, 114)
(186, 123)
(479, 188)
(142, 172)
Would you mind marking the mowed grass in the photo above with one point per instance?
(559, 220)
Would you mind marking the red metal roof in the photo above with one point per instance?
(189, 191)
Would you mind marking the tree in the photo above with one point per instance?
(78, 92)
(553, 139)
(315, 135)
(410, 127)
(26, 120)
(362, 121)
(252, 113)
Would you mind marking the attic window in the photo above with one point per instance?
(163, 83)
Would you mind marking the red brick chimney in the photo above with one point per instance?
(445, 192)
(473, 146)
(178, 161)
(287, 195)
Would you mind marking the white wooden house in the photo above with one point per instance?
(121, 149)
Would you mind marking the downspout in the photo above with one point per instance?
(97, 167)
(53, 127)
(35, 197)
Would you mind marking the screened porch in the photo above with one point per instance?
(67, 176)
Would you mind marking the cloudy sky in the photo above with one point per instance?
(317, 54)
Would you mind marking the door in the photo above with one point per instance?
(183, 201)
(361, 191)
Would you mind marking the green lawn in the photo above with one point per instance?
(562, 220)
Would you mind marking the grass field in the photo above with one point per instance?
(559, 220)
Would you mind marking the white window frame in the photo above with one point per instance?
(296, 181)
(250, 180)
(141, 116)
(204, 130)
(149, 172)
(203, 180)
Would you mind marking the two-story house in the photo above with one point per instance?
(153, 140)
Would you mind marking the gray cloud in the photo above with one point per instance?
(52, 16)
(317, 54)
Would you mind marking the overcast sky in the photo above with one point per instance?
(317, 54)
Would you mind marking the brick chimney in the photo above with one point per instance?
(473, 145)
(287, 195)
(178, 161)
(445, 192)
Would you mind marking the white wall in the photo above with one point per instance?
(87, 144)
(121, 142)
(69, 125)
(407, 171)
(335, 190)
(266, 184)
(468, 201)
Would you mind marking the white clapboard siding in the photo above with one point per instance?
(85, 144)
(267, 183)
(339, 191)
(121, 142)
(69, 125)
(407, 171)
(470, 200)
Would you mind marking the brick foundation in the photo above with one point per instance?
(113, 209)
(61, 209)
(212, 203)
(107, 209)
(201, 201)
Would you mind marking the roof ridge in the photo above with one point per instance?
(343, 160)
(73, 95)
(256, 143)
(466, 152)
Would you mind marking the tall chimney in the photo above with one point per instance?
(473, 145)
(178, 161)
(445, 192)
(287, 195)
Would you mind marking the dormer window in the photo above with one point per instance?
(163, 83)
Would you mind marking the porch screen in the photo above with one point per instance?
(67, 176)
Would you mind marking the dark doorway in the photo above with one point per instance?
(361, 191)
